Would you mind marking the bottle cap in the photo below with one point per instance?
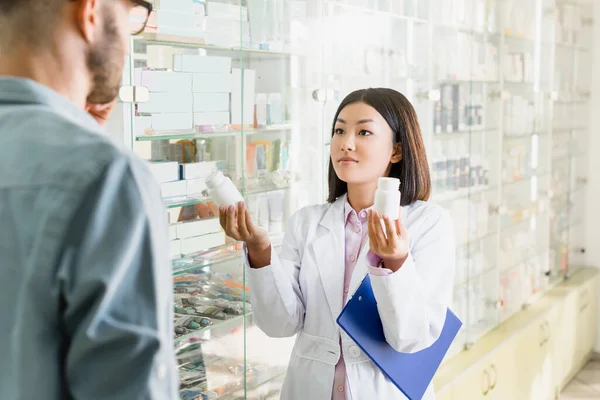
(214, 179)
(388, 184)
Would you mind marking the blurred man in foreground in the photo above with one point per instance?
(85, 286)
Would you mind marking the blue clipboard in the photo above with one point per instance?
(410, 372)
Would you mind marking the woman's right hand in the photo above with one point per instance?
(237, 224)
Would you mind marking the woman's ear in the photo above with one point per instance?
(397, 154)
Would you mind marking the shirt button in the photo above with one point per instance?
(346, 289)
(363, 214)
(352, 258)
(340, 388)
(354, 351)
(357, 230)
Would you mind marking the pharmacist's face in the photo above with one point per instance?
(361, 148)
(106, 55)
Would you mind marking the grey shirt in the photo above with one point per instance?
(85, 284)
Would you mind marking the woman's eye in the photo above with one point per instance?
(364, 133)
(338, 131)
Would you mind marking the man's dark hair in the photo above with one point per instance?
(413, 169)
(7, 6)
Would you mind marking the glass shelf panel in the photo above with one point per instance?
(154, 38)
(160, 135)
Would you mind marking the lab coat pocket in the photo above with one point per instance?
(317, 348)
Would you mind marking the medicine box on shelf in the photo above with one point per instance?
(175, 248)
(198, 170)
(167, 102)
(204, 242)
(163, 81)
(201, 64)
(207, 102)
(173, 189)
(212, 82)
(201, 227)
(165, 171)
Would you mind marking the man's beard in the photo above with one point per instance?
(105, 63)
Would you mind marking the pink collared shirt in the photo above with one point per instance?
(356, 234)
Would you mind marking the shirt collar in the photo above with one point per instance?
(348, 210)
(24, 91)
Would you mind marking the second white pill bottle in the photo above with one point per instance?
(387, 198)
(222, 190)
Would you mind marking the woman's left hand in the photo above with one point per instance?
(392, 245)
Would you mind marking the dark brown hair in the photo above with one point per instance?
(413, 169)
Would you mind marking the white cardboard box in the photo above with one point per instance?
(158, 56)
(204, 242)
(227, 32)
(197, 170)
(163, 81)
(174, 5)
(173, 189)
(173, 232)
(175, 248)
(201, 227)
(201, 64)
(191, 33)
(212, 83)
(165, 171)
(176, 19)
(229, 11)
(167, 103)
(205, 102)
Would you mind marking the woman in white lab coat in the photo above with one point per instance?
(326, 252)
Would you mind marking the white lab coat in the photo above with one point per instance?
(301, 292)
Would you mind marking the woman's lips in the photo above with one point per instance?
(347, 161)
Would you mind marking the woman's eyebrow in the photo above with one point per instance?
(362, 121)
(365, 121)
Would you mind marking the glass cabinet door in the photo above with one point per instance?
(463, 138)
(570, 127)
(211, 94)
(286, 71)
(525, 146)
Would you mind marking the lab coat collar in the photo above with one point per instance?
(329, 250)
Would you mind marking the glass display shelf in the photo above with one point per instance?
(200, 43)
(206, 260)
(163, 135)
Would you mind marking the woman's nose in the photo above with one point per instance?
(348, 143)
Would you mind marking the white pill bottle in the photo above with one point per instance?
(222, 190)
(387, 198)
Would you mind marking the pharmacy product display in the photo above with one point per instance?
(233, 100)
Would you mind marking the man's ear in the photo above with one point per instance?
(397, 154)
(86, 15)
